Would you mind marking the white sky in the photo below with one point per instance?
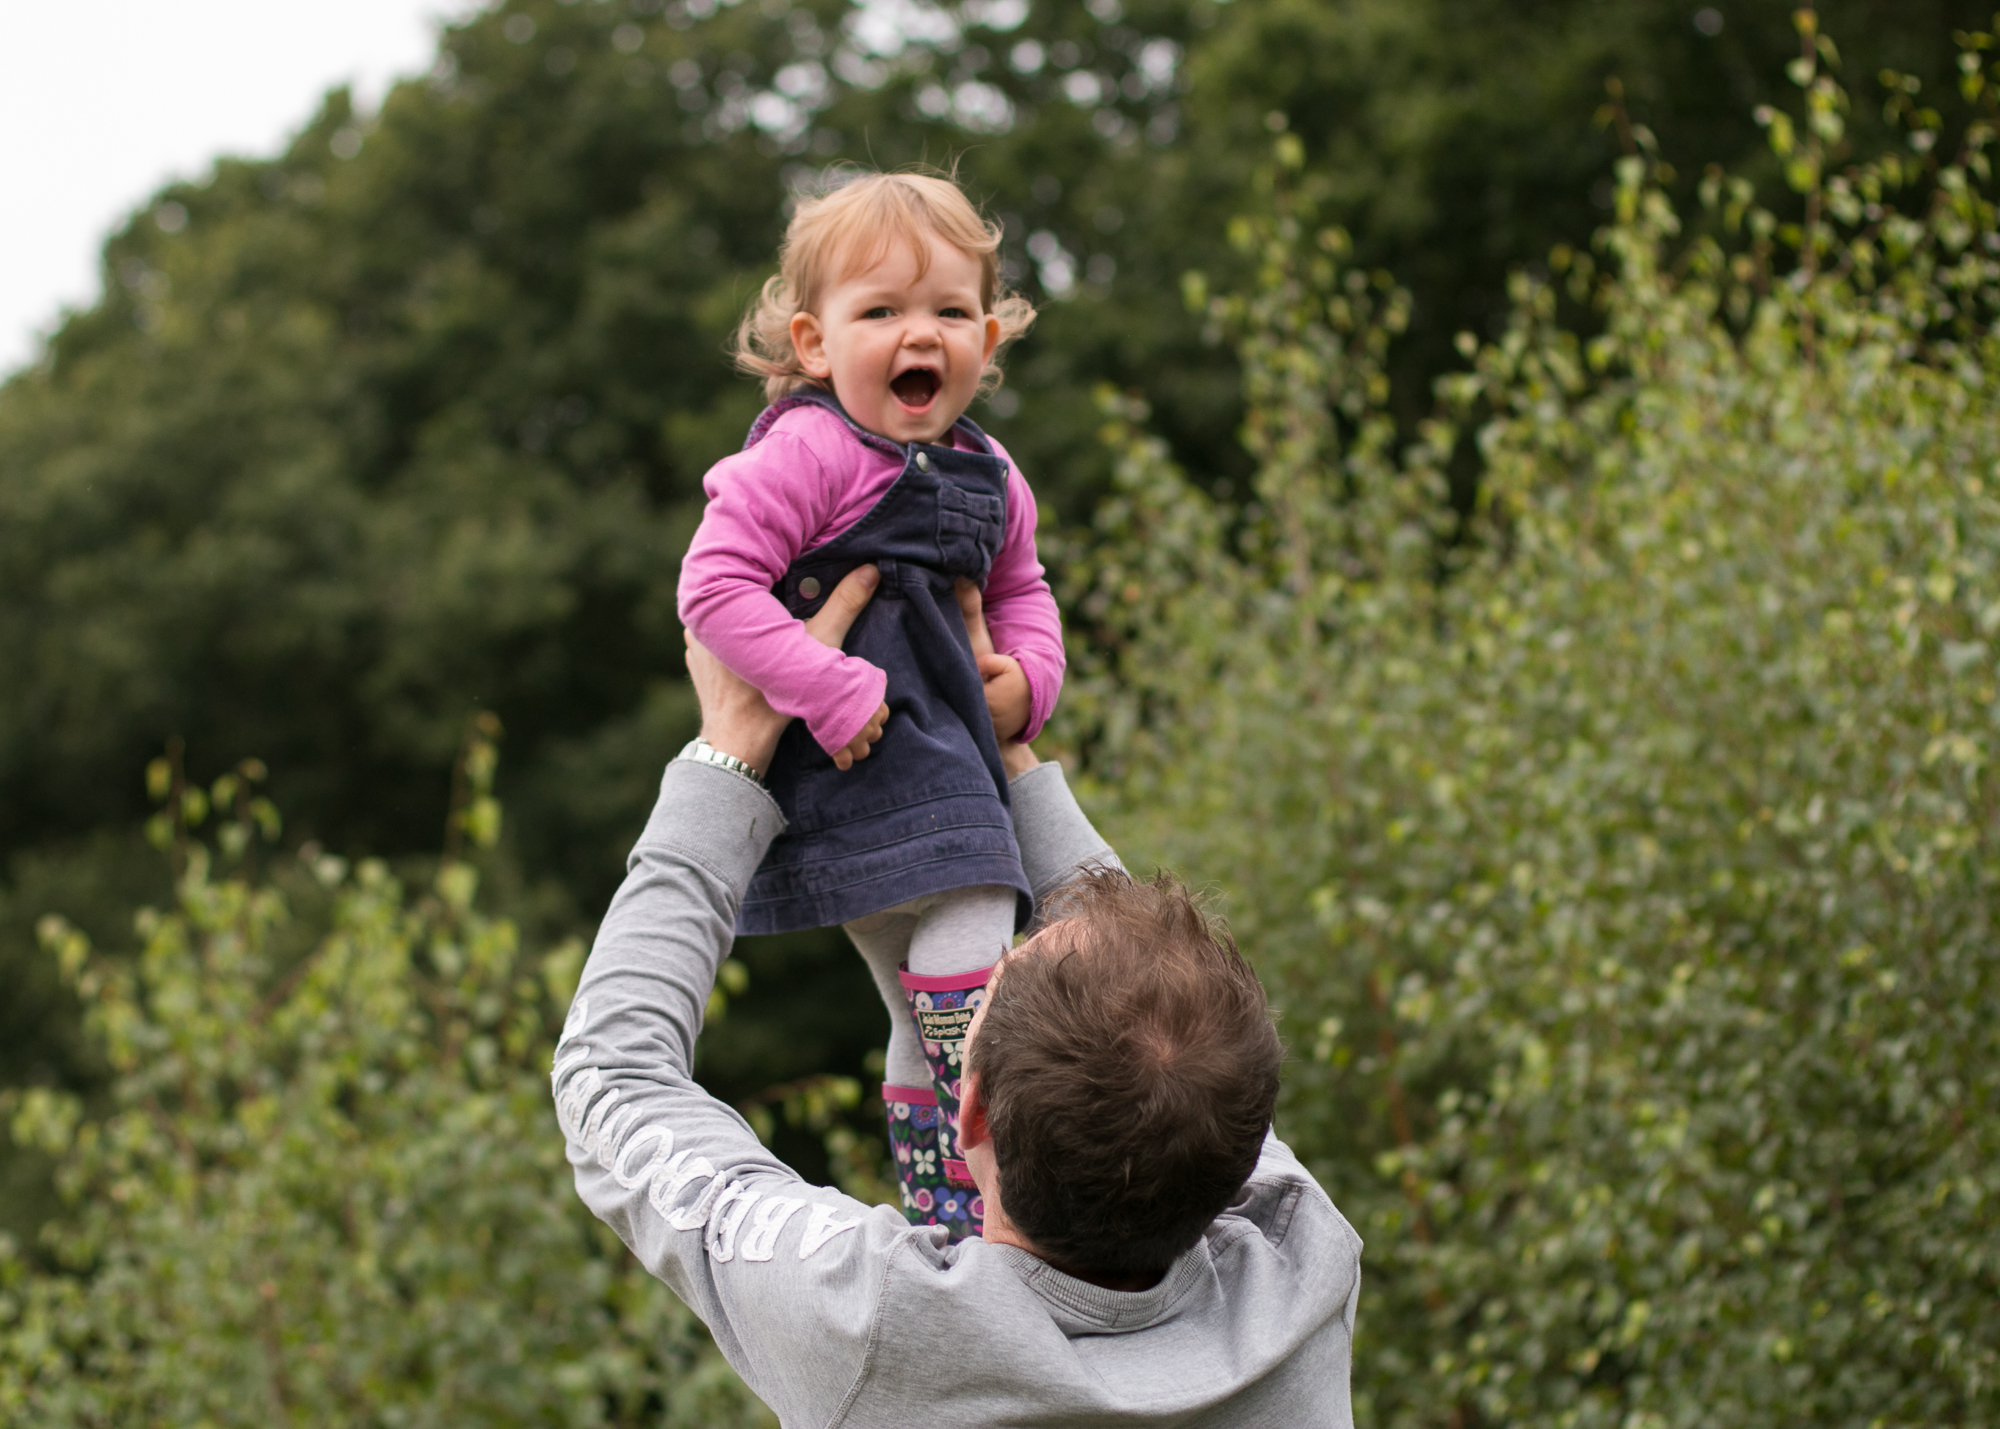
(102, 101)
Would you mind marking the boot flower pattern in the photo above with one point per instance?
(914, 1128)
(943, 1008)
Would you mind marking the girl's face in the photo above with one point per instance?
(902, 352)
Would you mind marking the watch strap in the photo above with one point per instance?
(702, 752)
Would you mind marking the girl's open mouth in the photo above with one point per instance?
(915, 388)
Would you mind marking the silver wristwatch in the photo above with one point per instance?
(702, 752)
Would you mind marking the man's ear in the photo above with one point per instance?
(973, 1127)
(809, 342)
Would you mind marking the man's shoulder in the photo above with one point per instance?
(1282, 1200)
(1252, 1325)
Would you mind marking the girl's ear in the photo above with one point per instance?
(992, 337)
(809, 342)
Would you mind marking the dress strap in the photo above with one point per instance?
(818, 397)
(981, 443)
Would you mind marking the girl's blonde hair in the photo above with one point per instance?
(849, 230)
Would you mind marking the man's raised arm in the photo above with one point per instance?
(1057, 842)
(783, 1273)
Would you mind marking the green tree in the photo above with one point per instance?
(1457, 140)
(328, 1189)
(1622, 863)
(409, 420)
(1617, 852)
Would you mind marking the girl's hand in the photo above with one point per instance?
(831, 629)
(857, 747)
(1008, 701)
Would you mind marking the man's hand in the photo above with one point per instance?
(736, 718)
(1008, 700)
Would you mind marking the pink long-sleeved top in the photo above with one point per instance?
(808, 480)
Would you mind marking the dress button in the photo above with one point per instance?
(923, 461)
(809, 587)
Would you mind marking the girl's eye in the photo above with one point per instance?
(954, 313)
(876, 313)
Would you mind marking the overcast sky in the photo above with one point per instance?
(102, 102)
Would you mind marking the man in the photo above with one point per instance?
(1152, 1254)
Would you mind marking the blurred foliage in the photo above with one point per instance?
(1628, 893)
(326, 1190)
(1595, 755)
(409, 420)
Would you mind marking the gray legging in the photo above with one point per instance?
(939, 935)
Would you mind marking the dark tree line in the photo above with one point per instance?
(409, 421)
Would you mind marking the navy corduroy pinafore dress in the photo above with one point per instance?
(927, 811)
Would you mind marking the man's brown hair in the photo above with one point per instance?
(1129, 1069)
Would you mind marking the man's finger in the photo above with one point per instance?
(972, 607)
(849, 598)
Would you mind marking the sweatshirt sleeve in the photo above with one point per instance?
(1057, 839)
(764, 506)
(1020, 608)
(785, 1275)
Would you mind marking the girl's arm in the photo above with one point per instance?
(1020, 608)
(764, 505)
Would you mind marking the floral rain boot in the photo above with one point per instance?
(913, 1138)
(943, 1008)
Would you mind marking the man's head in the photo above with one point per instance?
(1127, 1070)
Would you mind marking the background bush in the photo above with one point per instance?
(408, 420)
(326, 1190)
(1595, 761)
(1628, 892)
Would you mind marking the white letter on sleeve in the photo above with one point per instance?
(567, 1062)
(821, 1227)
(606, 1141)
(579, 1013)
(692, 1217)
(594, 1127)
(725, 1219)
(760, 1242)
(670, 1178)
(651, 1132)
(574, 1098)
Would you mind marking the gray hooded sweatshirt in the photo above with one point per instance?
(840, 1313)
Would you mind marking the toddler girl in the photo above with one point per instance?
(883, 322)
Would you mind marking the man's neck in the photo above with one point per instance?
(1130, 1284)
(1001, 1231)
